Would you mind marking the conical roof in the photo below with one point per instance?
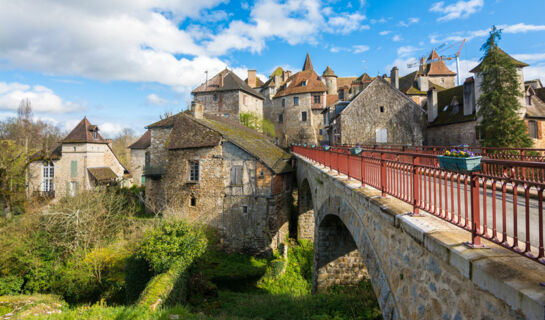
(518, 64)
(308, 64)
(328, 72)
(84, 133)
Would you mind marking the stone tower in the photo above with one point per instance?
(330, 80)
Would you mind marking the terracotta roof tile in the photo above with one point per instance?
(308, 64)
(143, 142)
(345, 82)
(328, 72)
(331, 99)
(83, 132)
(438, 68)
(294, 84)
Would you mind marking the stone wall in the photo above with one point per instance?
(378, 107)
(418, 266)
(251, 104)
(229, 103)
(452, 134)
(305, 217)
(138, 159)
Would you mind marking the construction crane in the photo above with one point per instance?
(443, 58)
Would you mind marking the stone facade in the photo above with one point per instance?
(453, 134)
(418, 266)
(138, 159)
(380, 114)
(229, 103)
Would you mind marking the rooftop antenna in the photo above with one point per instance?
(206, 72)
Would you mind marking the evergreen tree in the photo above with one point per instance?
(499, 104)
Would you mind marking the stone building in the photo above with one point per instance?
(379, 114)
(416, 84)
(452, 113)
(81, 161)
(215, 171)
(227, 95)
(139, 152)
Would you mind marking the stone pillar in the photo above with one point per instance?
(337, 260)
(305, 214)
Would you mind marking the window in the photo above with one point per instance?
(261, 174)
(316, 99)
(532, 129)
(320, 131)
(244, 99)
(147, 158)
(295, 101)
(304, 83)
(226, 115)
(95, 135)
(244, 209)
(74, 168)
(283, 103)
(215, 97)
(280, 118)
(194, 171)
(529, 100)
(381, 135)
(304, 116)
(236, 175)
(341, 94)
(48, 176)
(71, 188)
(193, 201)
(381, 108)
(143, 179)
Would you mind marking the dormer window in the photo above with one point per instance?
(304, 83)
(95, 135)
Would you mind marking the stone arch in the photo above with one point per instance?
(304, 219)
(344, 254)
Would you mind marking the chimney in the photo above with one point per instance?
(394, 77)
(469, 96)
(277, 81)
(286, 75)
(221, 79)
(252, 81)
(432, 104)
(196, 110)
(423, 83)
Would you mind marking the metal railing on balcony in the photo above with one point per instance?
(499, 203)
(154, 171)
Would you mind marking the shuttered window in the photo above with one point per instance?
(532, 129)
(381, 135)
(236, 175)
(74, 168)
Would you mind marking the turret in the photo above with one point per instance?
(330, 80)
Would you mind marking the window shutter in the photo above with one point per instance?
(233, 175)
(538, 124)
(74, 168)
(239, 175)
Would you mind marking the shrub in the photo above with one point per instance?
(170, 243)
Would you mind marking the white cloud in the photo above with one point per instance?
(469, 35)
(460, 9)
(396, 38)
(42, 98)
(381, 20)
(402, 65)
(345, 24)
(360, 48)
(155, 100)
(530, 57)
(110, 130)
(409, 22)
(384, 33)
(407, 50)
(535, 72)
(465, 66)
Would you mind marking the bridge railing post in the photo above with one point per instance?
(383, 173)
(416, 186)
(362, 165)
(475, 214)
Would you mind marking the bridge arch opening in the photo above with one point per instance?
(303, 220)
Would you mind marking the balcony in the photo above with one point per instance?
(154, 171)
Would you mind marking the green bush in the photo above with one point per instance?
(137, 275)
(170, 243)
(11, 285)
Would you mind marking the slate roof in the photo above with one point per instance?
(143, 142)
(83, 133)
(188, 133)
(52, 154)
(518, 64)
(536, 109)
(408, 84)
(448, 113)
(438, 68)
(102, 174)
(230, 82)
(540, 93)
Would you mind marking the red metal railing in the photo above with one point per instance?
(505, 208)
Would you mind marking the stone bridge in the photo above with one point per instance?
(418, 266)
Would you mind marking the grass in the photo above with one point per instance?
(22, 306)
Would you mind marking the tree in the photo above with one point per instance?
(499, 104)
(254, 121)
(120, 146)
(13, 164)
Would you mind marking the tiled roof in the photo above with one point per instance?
(536, 109)
(447, 112)
(408, 84)
(518, 64)
(187, 133)
(345, 82)
(143, 142)
(52, 154)
(230, 82)
(363, 78)
(438, 68)
(83, 133)
(540, 93)
(102, 174)
(308, 64)
(294, 84)
(328, 72)
(331, 99)
(536, 83)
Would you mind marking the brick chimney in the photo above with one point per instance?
(394, 77)
(252, 81)
(432, 104)
(469, 96)
(286, 75)
(196, 110)
(221, 78)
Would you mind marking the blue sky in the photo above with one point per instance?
(123, 63)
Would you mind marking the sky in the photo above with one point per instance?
(123, 63)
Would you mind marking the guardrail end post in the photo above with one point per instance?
(475, 215)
